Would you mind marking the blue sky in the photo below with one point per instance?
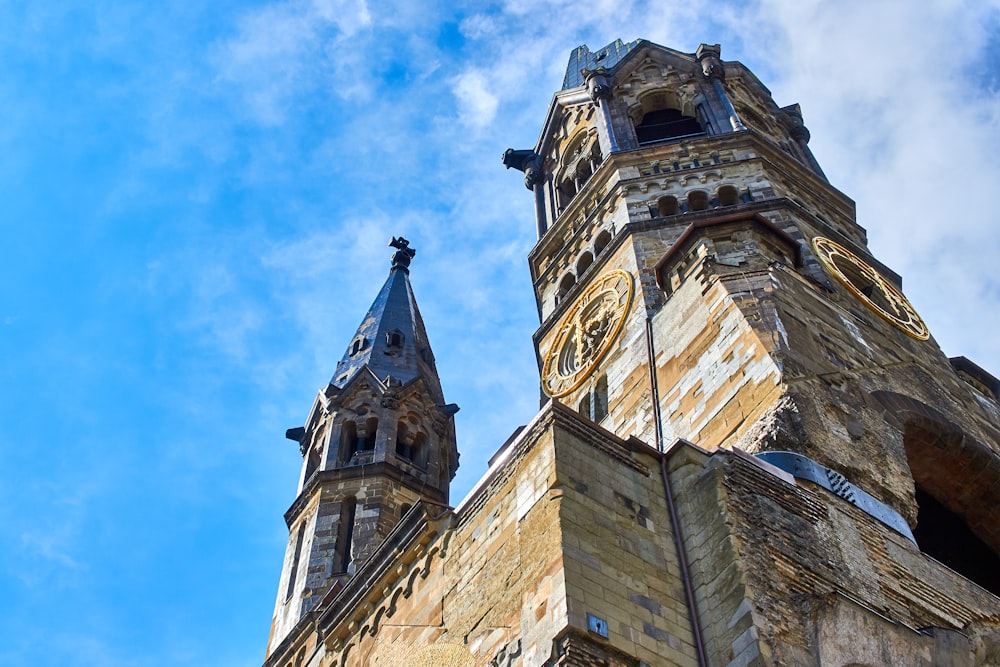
(195, 201)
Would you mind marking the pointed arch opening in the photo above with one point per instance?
(312, 462)
(345, 535)
(664, 125)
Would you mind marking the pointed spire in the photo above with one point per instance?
(391, 340)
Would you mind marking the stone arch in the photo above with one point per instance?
(956, 488)
(728, 195)
(602, 241)
(584, 262)
(411, 440)
(667, 205)
(662, 115)
(697, 200)
(565, 285)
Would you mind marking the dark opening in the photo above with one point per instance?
(944, 535)
(357, 345)
(728, 196)
(345, 534)
(565, 285)
(394, 339)
(410, 445)
(666, 124)
(586, 259)
(601, 398)
(295, 560)
(312, 462)
(366, 441)
(601, 242)
(666, 206)
(348, 440)
(697, 200)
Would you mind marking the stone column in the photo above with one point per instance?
(530, 163)
(711, 67)
(599, 87)
(800, 134)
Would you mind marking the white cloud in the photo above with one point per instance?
(900, 124)
(287, 48)
(477, 105)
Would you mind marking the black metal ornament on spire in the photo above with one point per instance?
(403, 255)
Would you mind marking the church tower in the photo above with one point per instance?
(378, 439)
(761, 320)
(750, 450)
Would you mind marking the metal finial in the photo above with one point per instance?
(404, 253)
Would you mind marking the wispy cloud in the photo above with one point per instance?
(284, 49)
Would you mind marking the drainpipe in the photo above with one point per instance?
(671, 507)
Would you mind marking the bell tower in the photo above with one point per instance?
(698, 278)
(378, 439)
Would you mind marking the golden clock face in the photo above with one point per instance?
(587, 332)
(868, 285)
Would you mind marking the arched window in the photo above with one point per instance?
(602, 241)
(728, 196)
(600, 399)
(666, 206)
(665, 124)
(565, 285)
(697, 200)
(411, 442)
(312, 462)
(348, 441)
(594, 404)
(566, 190)
(355, 441)
(366, 440)
(345, 535)
(294, 570)
(359, 344)
(582, 264)
(394, 338)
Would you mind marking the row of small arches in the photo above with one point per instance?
(698, 200)
(357, 444)
(583, 263)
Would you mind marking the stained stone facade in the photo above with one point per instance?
(751, 451)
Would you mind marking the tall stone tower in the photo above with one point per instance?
(750, 451)
(378, 439)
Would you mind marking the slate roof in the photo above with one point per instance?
(394, 310)
(583, 58)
